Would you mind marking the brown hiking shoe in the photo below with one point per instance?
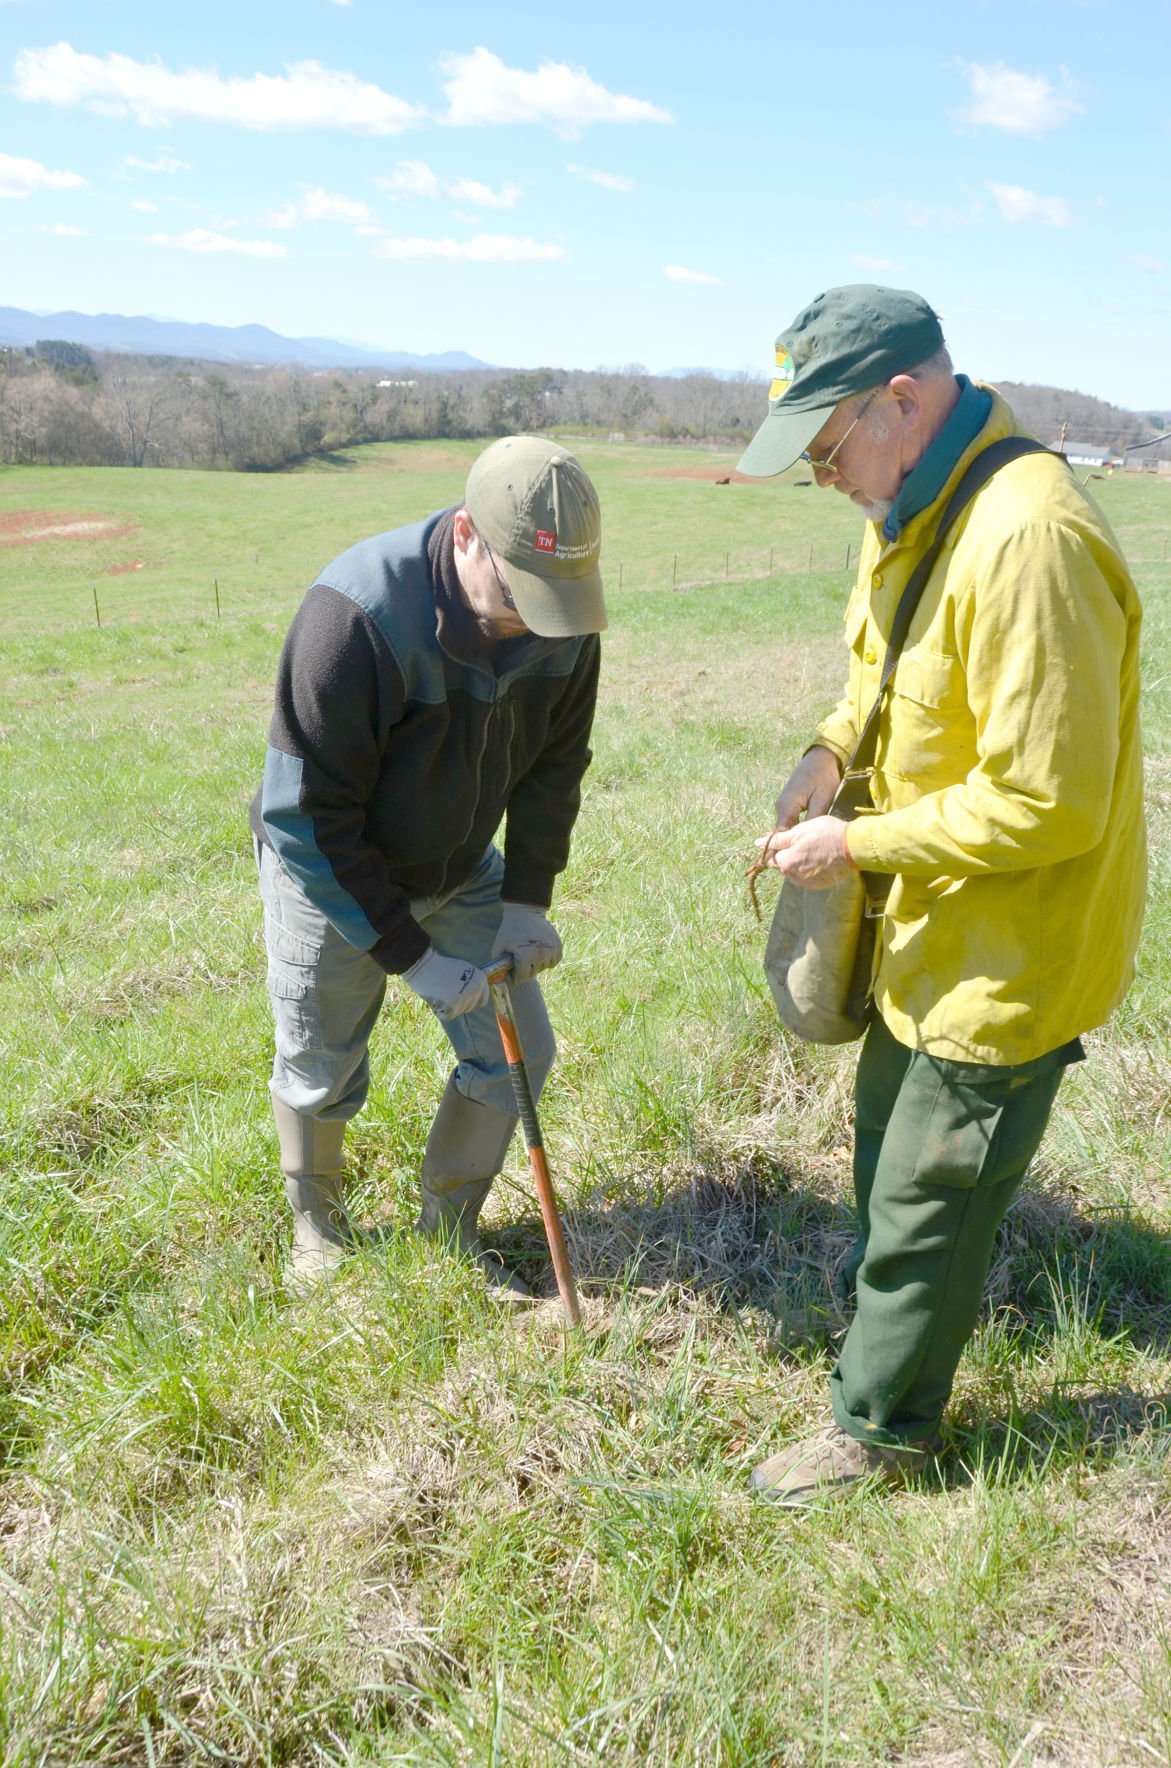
(826, 1464)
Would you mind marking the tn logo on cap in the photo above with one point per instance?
(546, 542)
(784, 375)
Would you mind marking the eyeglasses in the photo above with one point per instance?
(505, 592)
(827, 465)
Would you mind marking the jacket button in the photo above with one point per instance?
(877, 580)
(870, 655)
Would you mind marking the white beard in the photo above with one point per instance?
(877, 510)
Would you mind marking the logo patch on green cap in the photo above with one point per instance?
(784, 375)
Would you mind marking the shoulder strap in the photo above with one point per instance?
(987, 462)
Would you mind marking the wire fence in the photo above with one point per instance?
(741, 566)
(679, 573)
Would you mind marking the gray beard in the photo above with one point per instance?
(878, 510)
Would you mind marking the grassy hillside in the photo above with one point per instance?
(389, 1527)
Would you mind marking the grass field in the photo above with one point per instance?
(388, 1527)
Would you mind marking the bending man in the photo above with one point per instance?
(436, 680)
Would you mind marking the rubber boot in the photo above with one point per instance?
(465, 1150)
(311, 1160)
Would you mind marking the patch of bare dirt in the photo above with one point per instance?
(120, 570)
(27, 527)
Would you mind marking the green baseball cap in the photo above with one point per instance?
(536, 507)
(848, 340)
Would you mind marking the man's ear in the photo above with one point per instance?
(909, 394)
(465, 530)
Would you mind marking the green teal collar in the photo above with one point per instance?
(927, 478)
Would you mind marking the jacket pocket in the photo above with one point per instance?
(928, 678)
(857, 610)
(930, 730)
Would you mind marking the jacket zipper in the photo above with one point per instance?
(493, 710)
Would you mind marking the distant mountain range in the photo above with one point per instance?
(241, 344)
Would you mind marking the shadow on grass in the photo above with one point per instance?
(1067, 1430)
(746, 1237)
(761, 1236)
(1106, 1265)
(326, 458)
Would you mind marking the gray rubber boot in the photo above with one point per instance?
(465, 1150)
(311, 1160)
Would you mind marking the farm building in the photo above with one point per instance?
(1085, 454)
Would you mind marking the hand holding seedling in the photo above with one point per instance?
(809, 792)
(813, 854)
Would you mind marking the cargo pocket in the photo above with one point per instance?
(292, 986)
(960, 1135)
(983, 1131)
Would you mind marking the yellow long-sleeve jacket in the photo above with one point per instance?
(1008, 778)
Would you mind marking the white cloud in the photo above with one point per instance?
(483, 248)
(1019, 104)
(411, 178)
(340, 2)
(678, 273)
(61, 230)
(608, 180)
(415, 178)
(164, 162)
(305, 96)
(470, 190)
(201, 239)
(142, 205)
(482, 89)
(323, 205)
(1141, 261)
(20, 178)
(877, 266)
(1018, 204)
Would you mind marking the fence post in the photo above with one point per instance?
(97, 610)
(216, 581)
(811, 555)
(674, 569)
(847, 555)
(770, 561)
(727, 557)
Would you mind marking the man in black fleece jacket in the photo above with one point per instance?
(437, 680)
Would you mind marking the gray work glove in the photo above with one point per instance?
(450, 986)
(529, 938)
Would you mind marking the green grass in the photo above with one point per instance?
(390, 1527)
(262, 536)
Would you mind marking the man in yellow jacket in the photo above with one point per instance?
(1007, 812)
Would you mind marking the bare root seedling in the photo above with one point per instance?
(751, 873)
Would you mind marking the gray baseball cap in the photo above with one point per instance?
(848, 340)
(535, 505)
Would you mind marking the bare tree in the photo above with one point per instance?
(141, 405)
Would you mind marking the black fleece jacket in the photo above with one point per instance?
(401, 738)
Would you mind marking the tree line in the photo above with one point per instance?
(63, 405)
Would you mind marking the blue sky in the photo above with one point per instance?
(604, 184)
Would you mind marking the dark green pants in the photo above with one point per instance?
(939, 1151)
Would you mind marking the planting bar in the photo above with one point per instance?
(498, 976)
